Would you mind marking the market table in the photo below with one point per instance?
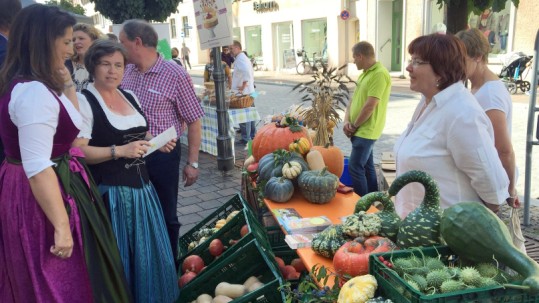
(342, 205)
(210, 130)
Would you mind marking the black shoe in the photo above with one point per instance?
(241, 142)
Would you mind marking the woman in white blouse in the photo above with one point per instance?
(56, 241)
(494, 98)
(450, 137)
(114, 137)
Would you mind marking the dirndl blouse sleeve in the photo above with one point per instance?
(34, 110)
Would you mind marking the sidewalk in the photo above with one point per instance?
(400, 87)
(214, 187)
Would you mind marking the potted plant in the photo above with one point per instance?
(325, 99)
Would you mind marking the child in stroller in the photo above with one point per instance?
(511, 74)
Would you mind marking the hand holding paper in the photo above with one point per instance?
(161, 140)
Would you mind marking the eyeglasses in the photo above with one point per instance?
(108, 65)
(416, 62)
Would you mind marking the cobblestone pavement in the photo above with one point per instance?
(214, 187)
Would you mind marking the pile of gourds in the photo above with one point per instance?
(286, 160)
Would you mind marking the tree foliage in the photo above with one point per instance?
(151, 10)
(458, 11)
(68, 6)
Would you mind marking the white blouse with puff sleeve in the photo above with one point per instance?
(120, 122)
(453, 141)
(34, 110)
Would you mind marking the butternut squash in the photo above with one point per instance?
(204, 298)
(221, 299)
(230, 290)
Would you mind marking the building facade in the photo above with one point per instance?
(273, 31)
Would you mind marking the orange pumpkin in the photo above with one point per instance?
(352, 259)
(333, 158)
(271, 137)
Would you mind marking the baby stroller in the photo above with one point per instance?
(511, 74)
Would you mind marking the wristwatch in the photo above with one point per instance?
(193, 165)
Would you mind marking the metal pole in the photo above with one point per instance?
(225, 158)
(529, 135)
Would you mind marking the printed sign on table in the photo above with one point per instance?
(214, 22)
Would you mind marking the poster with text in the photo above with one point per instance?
(214, 22)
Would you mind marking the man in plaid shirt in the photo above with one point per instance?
(167, 98)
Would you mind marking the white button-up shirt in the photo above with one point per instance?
(243, 72)
(453, 141)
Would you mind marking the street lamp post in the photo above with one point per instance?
(225, 159)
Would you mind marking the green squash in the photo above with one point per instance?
(318, 186)
(390, 220)
(271, 165)
(361, 224)
(279, 189)
(327, 242)
(476, 233)
(422, 226)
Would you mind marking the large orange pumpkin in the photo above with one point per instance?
(271, 137)
(333, 158)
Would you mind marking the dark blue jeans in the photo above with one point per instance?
(248, 130)
(361, 166)
(164, 171)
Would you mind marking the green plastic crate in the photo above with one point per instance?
(230, 231)
(392, 286)
(235, 203)
(252, 259)
(276, 239)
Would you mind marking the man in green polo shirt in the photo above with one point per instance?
(365, 117)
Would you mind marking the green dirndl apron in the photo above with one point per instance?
(103, 261)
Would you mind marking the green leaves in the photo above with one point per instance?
(309, 291)
(151, 10)
(67, 5)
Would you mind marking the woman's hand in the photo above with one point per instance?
(63, 242)
(167, 148)
(135, 149)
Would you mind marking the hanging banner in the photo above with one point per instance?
(214, 22)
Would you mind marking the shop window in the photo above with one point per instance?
(185, 26)
(495, 26)
(314, 34)
(236, 34)
(253, 41)
(173, 28)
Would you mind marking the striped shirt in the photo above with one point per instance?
(166, 95)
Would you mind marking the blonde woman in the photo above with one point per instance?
(83, 37)
(495, 100)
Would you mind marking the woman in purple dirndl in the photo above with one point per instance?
(56, 243)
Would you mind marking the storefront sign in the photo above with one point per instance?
(265, 6)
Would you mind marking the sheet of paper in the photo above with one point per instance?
(160, 140)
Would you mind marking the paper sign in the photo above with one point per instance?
(214, 22)
(159, 141)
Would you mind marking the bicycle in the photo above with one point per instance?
(305, 66)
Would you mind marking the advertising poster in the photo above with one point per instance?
(214, 22)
